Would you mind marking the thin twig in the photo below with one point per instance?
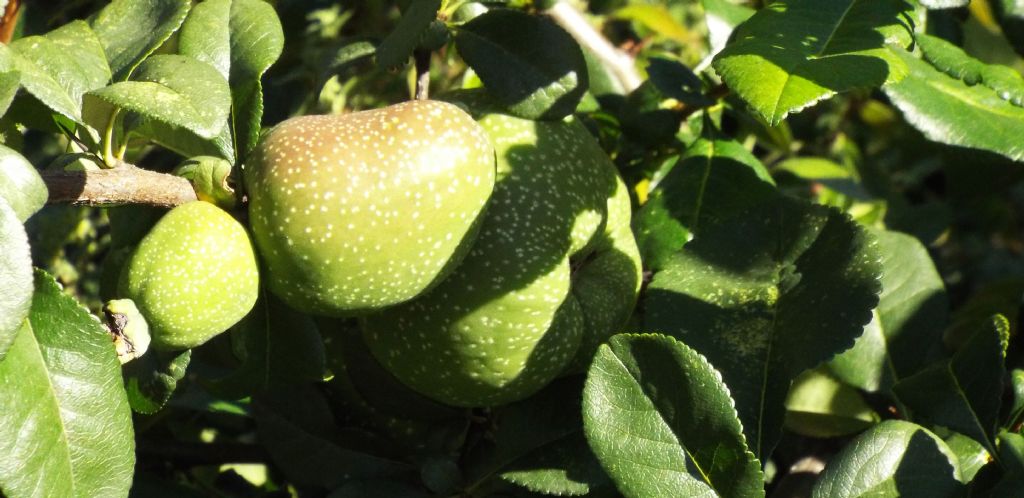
(124, 184)
(621, 64)
(9, 20)
(422, 59)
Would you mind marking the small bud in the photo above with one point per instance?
(128, 328)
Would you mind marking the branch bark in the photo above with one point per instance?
(620, 63)
(124, 184)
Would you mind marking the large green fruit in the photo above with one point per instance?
(362, 211)
(554, 272)
(193, 276)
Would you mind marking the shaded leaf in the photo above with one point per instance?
(297, 428)
(15, 277)
(528, 63)
(130, 30)
(66, 427)
(278, 346)
(398, 45)
(965, 392)
(677, 81)
(661, 422)
(949, 111)
(912, 312)
(773, 292)
(971, 455)
(151, 379)
(538, 443)
(794, 53)
(893, 459)
(715, 179)
(1010, 14)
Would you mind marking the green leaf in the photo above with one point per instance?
(241, 38)
(894, 459)
(396, 48)
(765, 296)
(971, 455)
(20, 184)
(656, 18)
(297, 428)
(794, 53)
(964, 393)
(912, 312)
(1011, 453)
(661, 422)
(1017, 384)
(130, 30)
(527, 62)
(60, 66)
(566, 467)
(952, 60)
(170, 93)
(66, 428)
(715, 179)
(820, 406)
(15, 277)
(378, 488)
(721, 18)
(151, 379)
(278, 346)
(949, 111)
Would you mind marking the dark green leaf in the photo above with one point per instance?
(396, 48)
(15, 277)
(773, 292)
(794, 53)
(661, 422)
(912, 312)
(377, 489)
(278, 346)
(964, 393)
(151, 379)
(297, 428)
(949, 111)
(715, 179)
(952, 60)
(894, 459)
(648, 117)
(677, 81)
(1017, 384)
(566, 467)
(20, 184)
(530, 64)
(130, 30)
(66, 427)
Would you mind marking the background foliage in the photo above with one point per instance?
(827, 196)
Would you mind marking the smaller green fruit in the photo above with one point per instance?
(129, 328)
(193, 276)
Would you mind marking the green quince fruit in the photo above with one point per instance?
(554, 272)
(193, 276)
(361, 211)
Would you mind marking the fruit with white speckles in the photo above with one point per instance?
(554, 272)
(193, 276)
(357, 212)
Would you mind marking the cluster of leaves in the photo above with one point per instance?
(827, 197)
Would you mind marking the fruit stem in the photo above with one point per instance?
(422, 58)
(108, 140)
